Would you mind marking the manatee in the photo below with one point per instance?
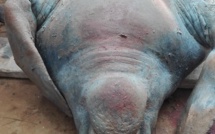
(111, 64)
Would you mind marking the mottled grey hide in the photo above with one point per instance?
(111, 63)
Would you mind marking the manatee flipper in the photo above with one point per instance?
(21, 27)
(199, 114)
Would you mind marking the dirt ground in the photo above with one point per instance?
(23, 110)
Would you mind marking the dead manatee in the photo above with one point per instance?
(110, 63)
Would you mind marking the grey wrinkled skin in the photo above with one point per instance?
(110, 64)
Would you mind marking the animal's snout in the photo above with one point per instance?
(116, 104)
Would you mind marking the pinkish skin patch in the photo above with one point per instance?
(212, 129)
(118, 101)
(101, 32)
(174, 109)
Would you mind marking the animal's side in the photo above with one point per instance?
(112, 63)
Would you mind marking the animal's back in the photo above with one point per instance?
(74, 28)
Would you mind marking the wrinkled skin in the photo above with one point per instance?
(110, 64)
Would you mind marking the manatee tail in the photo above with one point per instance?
(116, 104)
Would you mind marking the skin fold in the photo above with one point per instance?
(110, 64)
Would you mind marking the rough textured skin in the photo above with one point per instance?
(25, 54)
(200, 111)
(112, 63)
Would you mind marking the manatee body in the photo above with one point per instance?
(109, 63)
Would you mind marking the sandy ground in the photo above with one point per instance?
(23, 110)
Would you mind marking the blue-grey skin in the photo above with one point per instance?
(111, 63)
